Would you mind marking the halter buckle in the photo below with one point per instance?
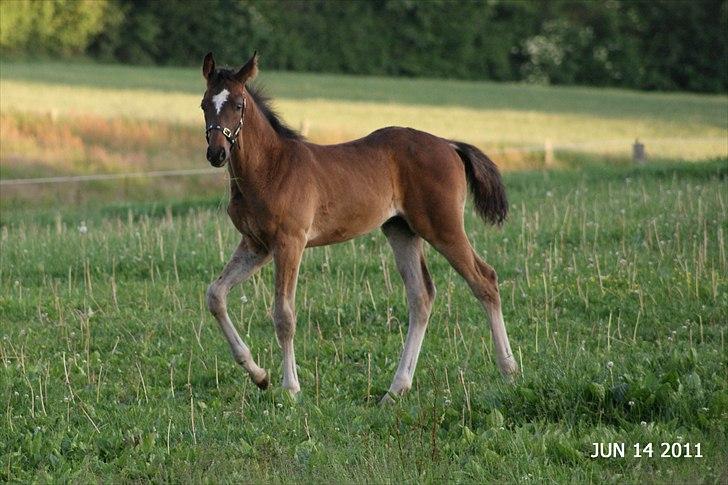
(230, 136)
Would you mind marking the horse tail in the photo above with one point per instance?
(485, 183)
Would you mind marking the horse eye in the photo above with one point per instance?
(240, 106)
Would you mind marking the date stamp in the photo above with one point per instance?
(646, 450)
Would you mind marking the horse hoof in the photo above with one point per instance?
(509, 370)
(387, 400)
(293, 397)
(264, 382)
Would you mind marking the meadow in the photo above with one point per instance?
(613, 280)
(86, 117)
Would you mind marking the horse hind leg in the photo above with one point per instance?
(410, 261)
(483, 282)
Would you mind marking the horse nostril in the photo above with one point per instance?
(221, 156)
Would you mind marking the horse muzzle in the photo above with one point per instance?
(216, 156)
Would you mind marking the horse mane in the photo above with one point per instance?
(264, 103)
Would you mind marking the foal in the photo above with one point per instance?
(288, 194)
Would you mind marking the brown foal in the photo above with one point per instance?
(288, 194)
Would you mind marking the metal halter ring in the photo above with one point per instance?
(230, 136)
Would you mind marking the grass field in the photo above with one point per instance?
(615, 295)
(43, 105)
(613, 279)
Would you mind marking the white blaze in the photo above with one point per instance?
(219, 99)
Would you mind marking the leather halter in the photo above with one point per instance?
(230, 136)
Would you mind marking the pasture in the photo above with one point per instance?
(613, 281)
(88, 118)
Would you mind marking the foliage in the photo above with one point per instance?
(51, 27)
(664, 44)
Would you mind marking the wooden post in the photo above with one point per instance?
(548, 153)
(638, 152)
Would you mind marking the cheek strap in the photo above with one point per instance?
(230, 136)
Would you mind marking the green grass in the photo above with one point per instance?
(615, 296)
(613, 281)
(336, 108)
(616, 103)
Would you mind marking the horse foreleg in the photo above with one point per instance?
(244, 262)
(287, 258)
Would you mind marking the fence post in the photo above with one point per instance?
(638, 152)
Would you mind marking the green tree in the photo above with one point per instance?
(50, 27)
(660, 44)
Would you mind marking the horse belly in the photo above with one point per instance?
(347, 225)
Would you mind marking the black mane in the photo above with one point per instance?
(264, 105)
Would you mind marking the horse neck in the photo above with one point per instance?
(260, 147)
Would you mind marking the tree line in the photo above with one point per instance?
(652, 45)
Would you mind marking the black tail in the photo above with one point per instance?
(485, 183)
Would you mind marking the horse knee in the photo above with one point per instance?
(285, 322)
(215, 298)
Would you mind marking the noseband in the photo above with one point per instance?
(230, 136)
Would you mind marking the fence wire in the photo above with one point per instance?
(535, 148)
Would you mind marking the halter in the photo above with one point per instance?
(230, 136)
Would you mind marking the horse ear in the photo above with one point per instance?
(208, 66)
(249, 70)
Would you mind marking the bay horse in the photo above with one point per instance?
(287, 194)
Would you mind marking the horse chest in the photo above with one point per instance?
(252, 222)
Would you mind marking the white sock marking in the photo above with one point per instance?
(219, 99)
